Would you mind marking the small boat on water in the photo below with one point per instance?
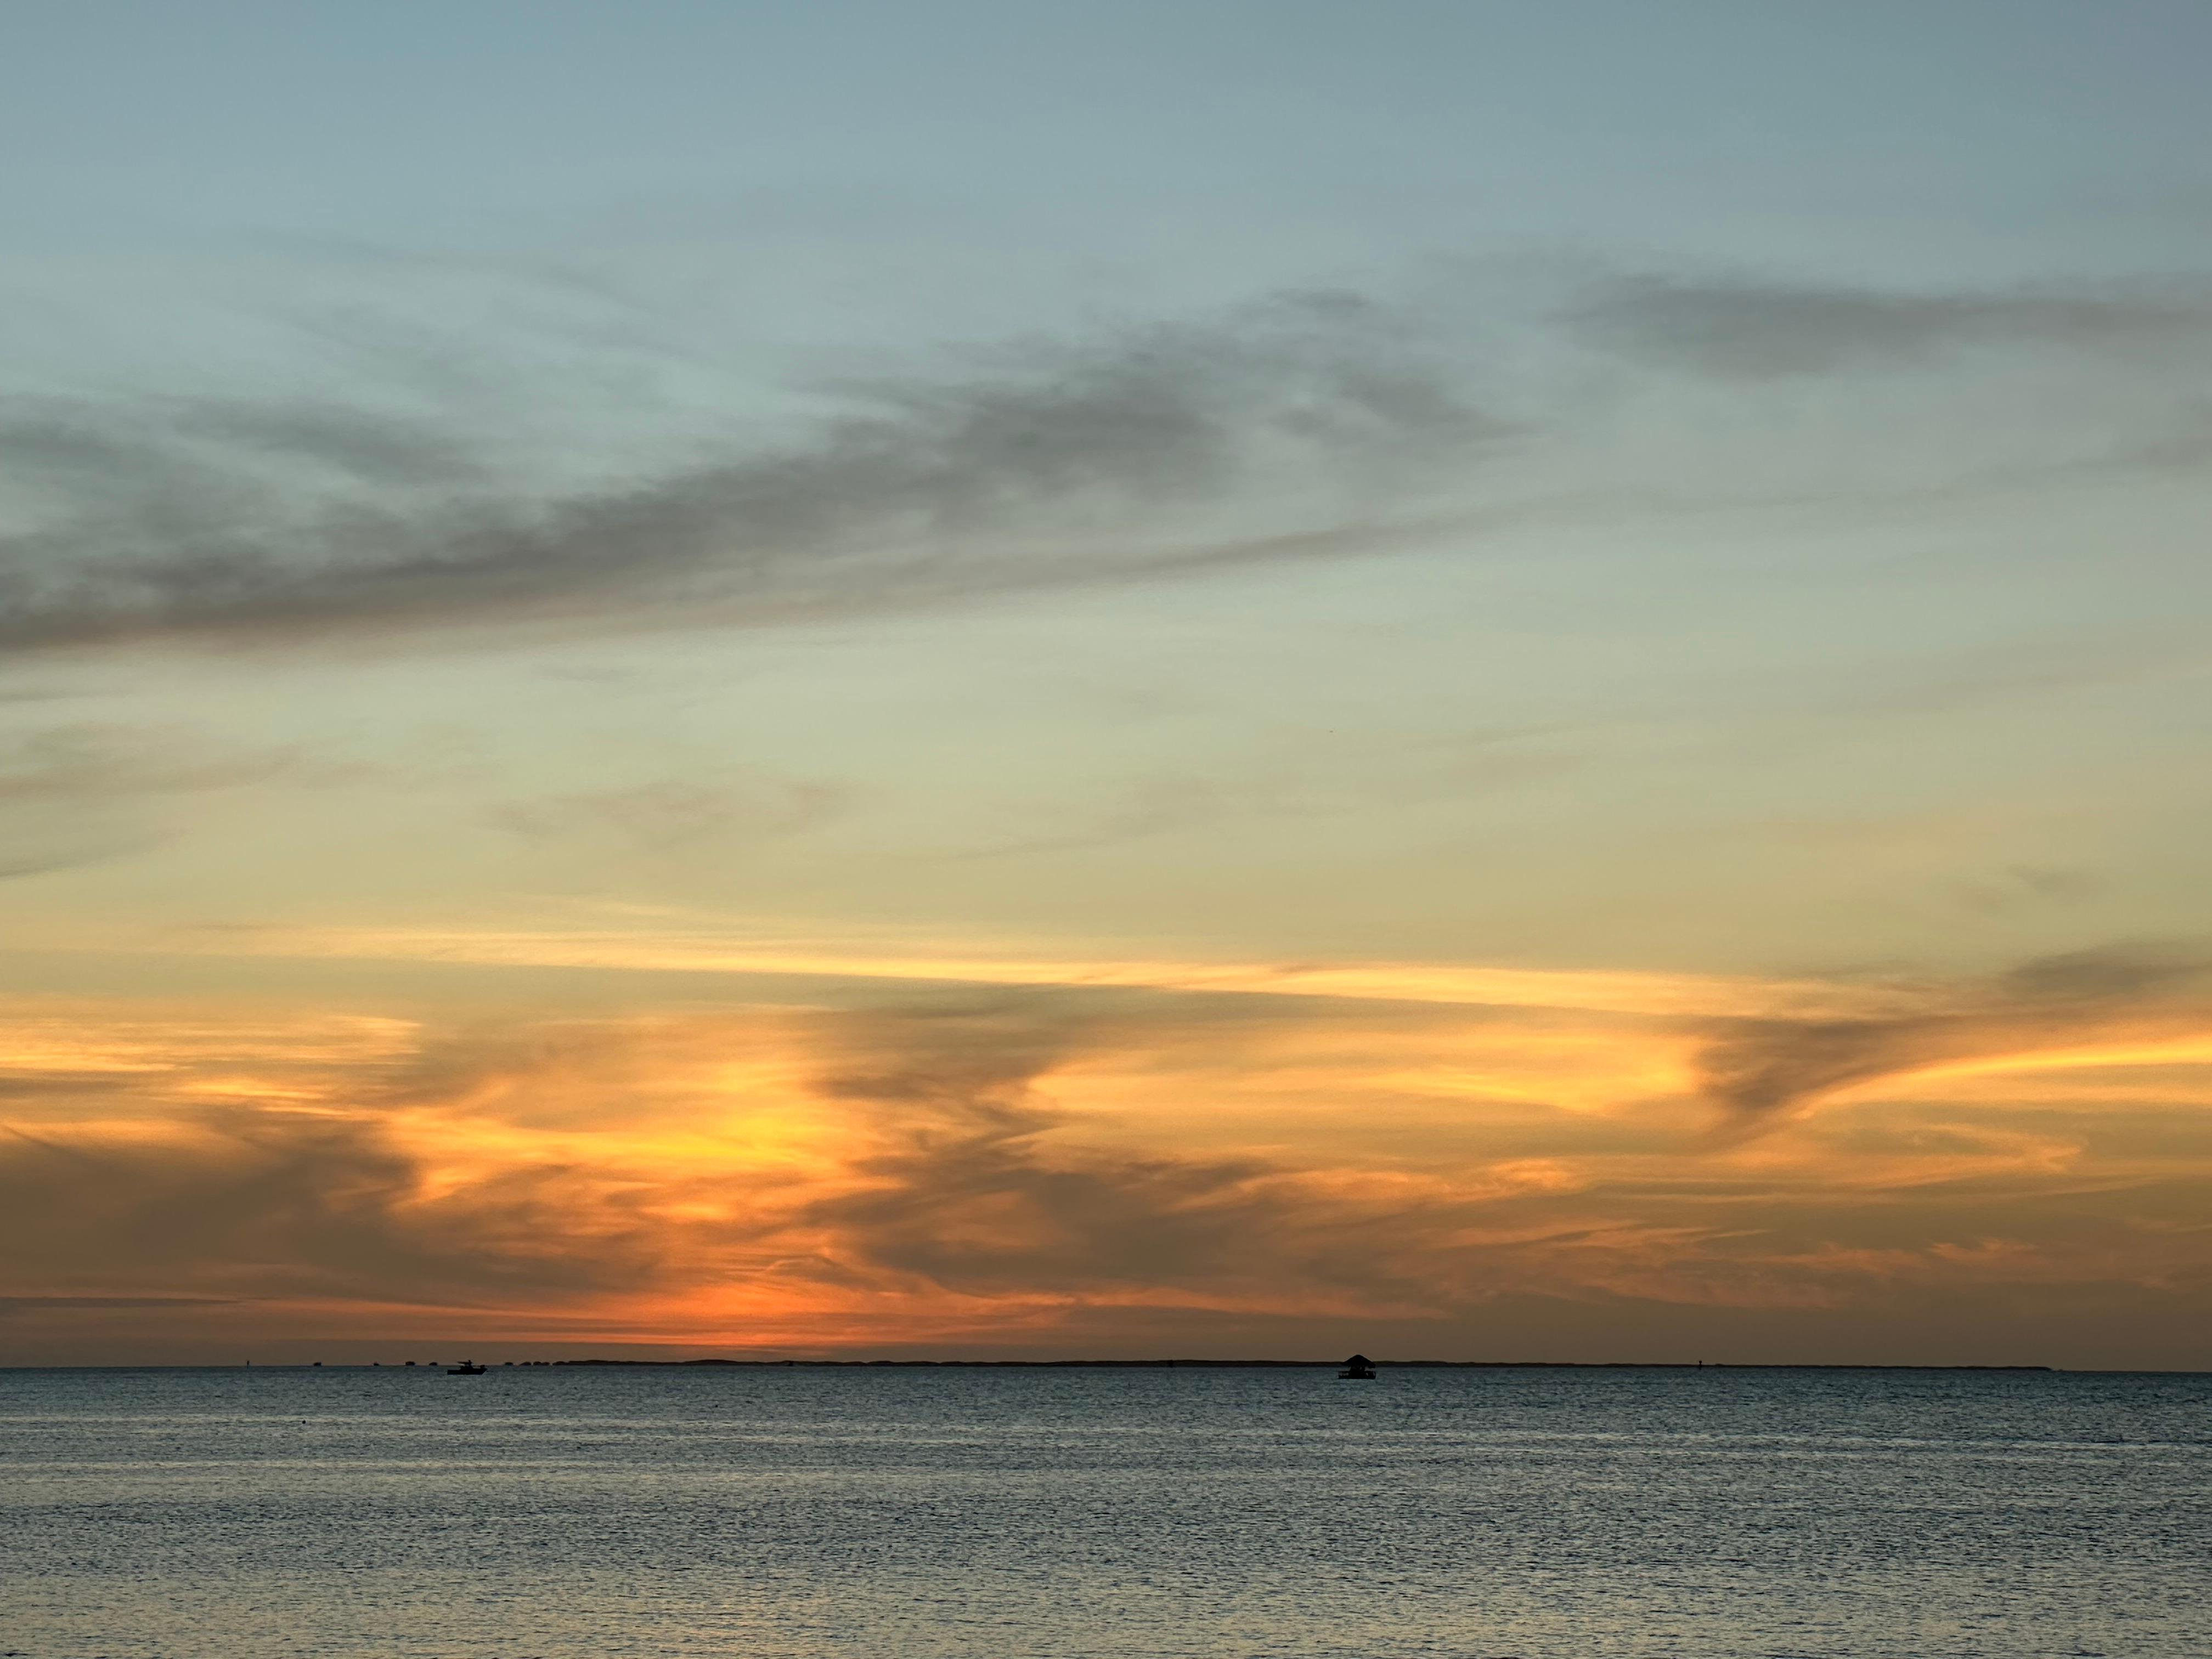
(1358, 1369)
(466, 1368)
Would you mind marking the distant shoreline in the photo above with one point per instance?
(722, 1364)
(1310, 1364)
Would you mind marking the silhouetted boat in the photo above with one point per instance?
(466, 1368)
(1358, 1369)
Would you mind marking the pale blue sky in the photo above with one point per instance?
(1731, 417)
(1975, 127)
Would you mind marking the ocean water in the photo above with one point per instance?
(1542, 1514)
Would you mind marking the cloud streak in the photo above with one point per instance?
(712, 805)
(664, 942)
(81, 794)
(1048, 465)
(1762, 1073)
(1308, 425)
(1753, 330)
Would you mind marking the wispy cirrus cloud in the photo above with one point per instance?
(1308, 425)
(672, 812)
(1047, 463)
(663, 941)
(1755, 329)
(85, 792)
(88, 761)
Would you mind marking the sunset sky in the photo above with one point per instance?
(1474, 680)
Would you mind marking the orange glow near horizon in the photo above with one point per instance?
(1060, 1165)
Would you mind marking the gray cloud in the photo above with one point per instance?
(673, 812)
(378, 449)
(13, 1306)
(977, 1206)
(976, 1196)
(1310, 425)
(80, 793)
(89, 760)
(237, 519)
(267, 1204)
(1315, 774)
(38, 853)
(1753, 329)
(1760, 1073)
(972, 1202)
(976, 1052)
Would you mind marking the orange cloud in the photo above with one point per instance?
(1075, 1164)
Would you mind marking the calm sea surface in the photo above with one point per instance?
(1552, 1514)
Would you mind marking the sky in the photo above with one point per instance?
(1474, 681)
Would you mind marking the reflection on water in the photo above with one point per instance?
(1553, 1515)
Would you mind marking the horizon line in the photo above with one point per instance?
(1163, 1364)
